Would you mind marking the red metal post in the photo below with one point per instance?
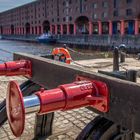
(99, 27)
(110, 28)
(21, 31)
(74, 28)
(30, 30)
(90, 28)
(37, 30)
(68, 29)
(51, 29)
(34, 30)
(17, 30)
(61, 26)
(136, 26)
(42, 30)
(6, 30)
(56, 29)
(24, 31)
(122, 27)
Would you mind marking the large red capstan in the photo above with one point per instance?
(81, 93)
(15, 68)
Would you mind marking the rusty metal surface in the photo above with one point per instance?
(124, 95)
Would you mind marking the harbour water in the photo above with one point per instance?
(7, 48)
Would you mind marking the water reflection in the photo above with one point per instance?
(15, 46)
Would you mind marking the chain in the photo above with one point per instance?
(128, 55)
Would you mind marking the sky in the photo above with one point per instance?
(8, 4)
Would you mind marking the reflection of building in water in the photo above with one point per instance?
(73, 17)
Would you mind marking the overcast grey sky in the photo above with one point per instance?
(8, 4)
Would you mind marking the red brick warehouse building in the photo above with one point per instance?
(73, 17)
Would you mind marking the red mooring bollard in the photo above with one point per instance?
(81, 93)
(15, 68)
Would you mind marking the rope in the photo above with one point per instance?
(85, 66)
(123, 67)
(82, 65)
(72, 50)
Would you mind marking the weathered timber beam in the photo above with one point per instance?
(124, 95)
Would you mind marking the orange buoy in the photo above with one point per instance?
(63, 54)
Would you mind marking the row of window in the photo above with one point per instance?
(117, 2)
(129, 12)
(104, 5)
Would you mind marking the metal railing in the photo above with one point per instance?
(103, 40)
(96, 40)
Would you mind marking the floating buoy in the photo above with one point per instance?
(62, 54)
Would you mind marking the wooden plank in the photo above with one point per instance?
(124, 95)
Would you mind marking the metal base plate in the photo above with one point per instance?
(15, 109)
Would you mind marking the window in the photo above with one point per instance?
(128, 1)
(70, 2)
(116, 3)
(81, 6)
(94, 16)
(129, 12)
(94, 5)
(70, 18)
(85, 7)
(104, 14)
(115, 13)
(105, 4)
(64, 3)
(64, 19)
(77, 9)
